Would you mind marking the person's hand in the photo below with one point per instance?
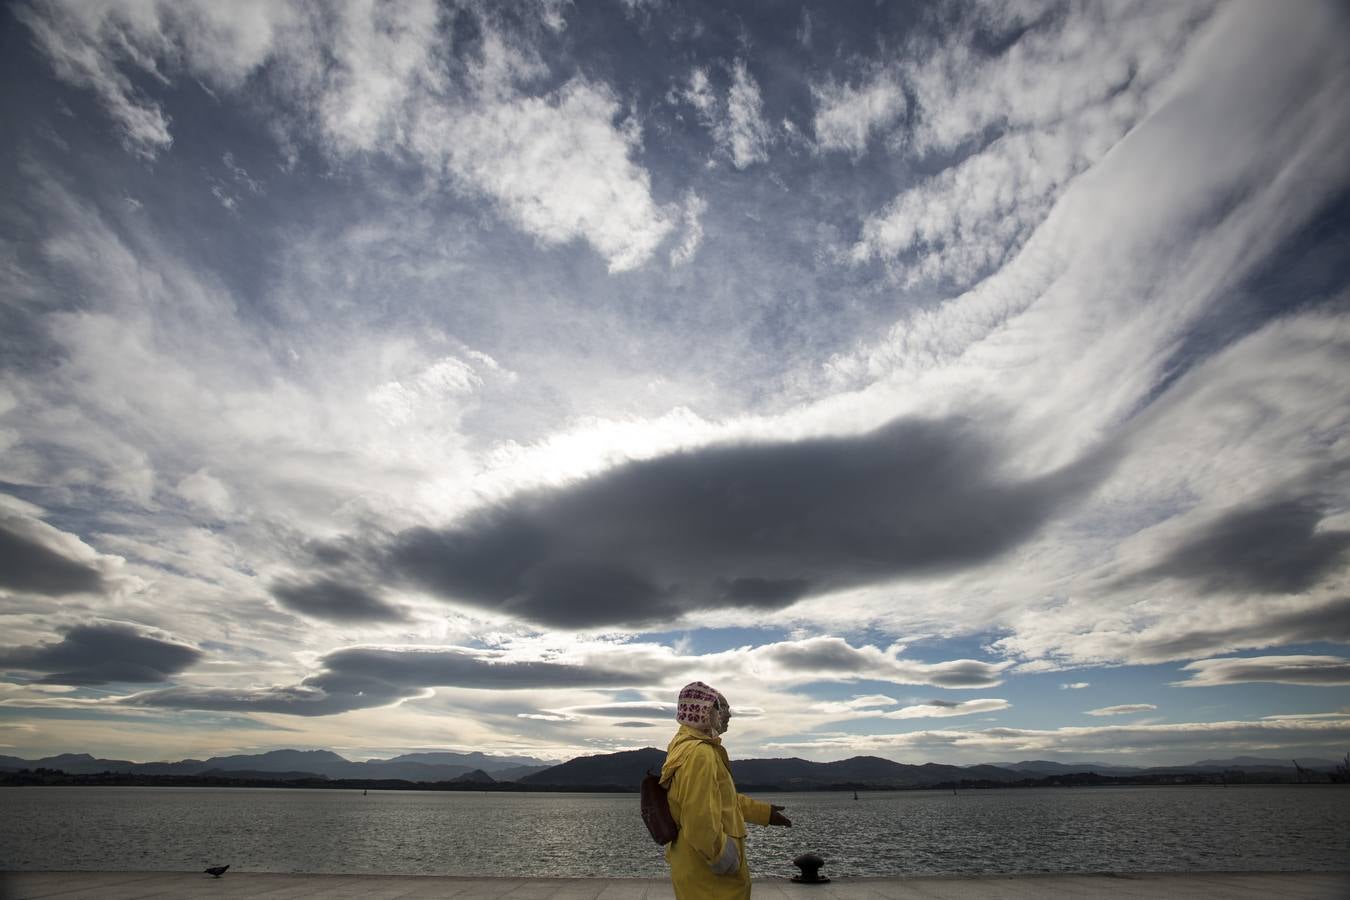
(776, 817)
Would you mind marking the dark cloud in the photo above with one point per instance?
(296, 700)
(330, 599)
(635, 724)
(363, 677)
(28, 565)
(750, 525)
(831, 655)
(102, 653)
(966, 673)
(1318, 671)
(1272, 548)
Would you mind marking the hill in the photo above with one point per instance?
(625, 768)
(414, 767)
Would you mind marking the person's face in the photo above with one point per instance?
(721, 716)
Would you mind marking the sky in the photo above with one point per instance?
(953, 382)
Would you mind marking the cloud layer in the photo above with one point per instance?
(103, 653)
(450, 368)
(754, 526)
(1311, 670)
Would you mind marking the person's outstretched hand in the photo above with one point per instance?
(776, 817)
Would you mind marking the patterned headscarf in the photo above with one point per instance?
(696, 704)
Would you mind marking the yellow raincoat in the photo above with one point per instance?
(704, 802)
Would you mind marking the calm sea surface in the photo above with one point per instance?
(900, 833)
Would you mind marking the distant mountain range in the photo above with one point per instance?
(1246, 763)
(626, 769)
(292, 764)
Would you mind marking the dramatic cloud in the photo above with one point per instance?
(1311, 670)
(34, 557)
(941, 709)
(1122, 709)
(751, 526)
(1040, 113)
(1277, 547)
(529, 361)
(337, 602)
(363, 677)
(370, 80)
(102, 653)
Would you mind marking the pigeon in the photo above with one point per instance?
(216, 871)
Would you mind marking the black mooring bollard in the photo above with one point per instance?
(810, 864)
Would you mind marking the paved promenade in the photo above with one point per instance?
(167, 885)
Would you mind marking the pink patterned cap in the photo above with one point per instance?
(696, 704)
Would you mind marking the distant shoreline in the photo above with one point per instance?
(57, 778)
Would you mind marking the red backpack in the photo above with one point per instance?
(656, 811)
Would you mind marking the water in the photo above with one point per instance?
(1144, 829)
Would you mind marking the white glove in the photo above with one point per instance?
(729, 861)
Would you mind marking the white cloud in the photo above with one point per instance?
(737, 123)
(966, 221)
(699, 94)
(86, 45)
(204, 490)
(1075, 685)
(1177, 743)
(370, 79)
(694, 208)
(164, 352)
(224, 197)
(382, 60)
(1123, 709)
(744, 133)
(846, 116)
(1320, 671)
(240, 174)
(97, 45)
(855, 704)
(551, 12)
(947, 709)
(560, 168)
(1058, 99)
(1080, 325)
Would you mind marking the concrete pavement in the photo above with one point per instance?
(270, 886)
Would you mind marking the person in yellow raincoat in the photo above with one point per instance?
(707, 860)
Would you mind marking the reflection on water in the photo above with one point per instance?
(892, 833)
